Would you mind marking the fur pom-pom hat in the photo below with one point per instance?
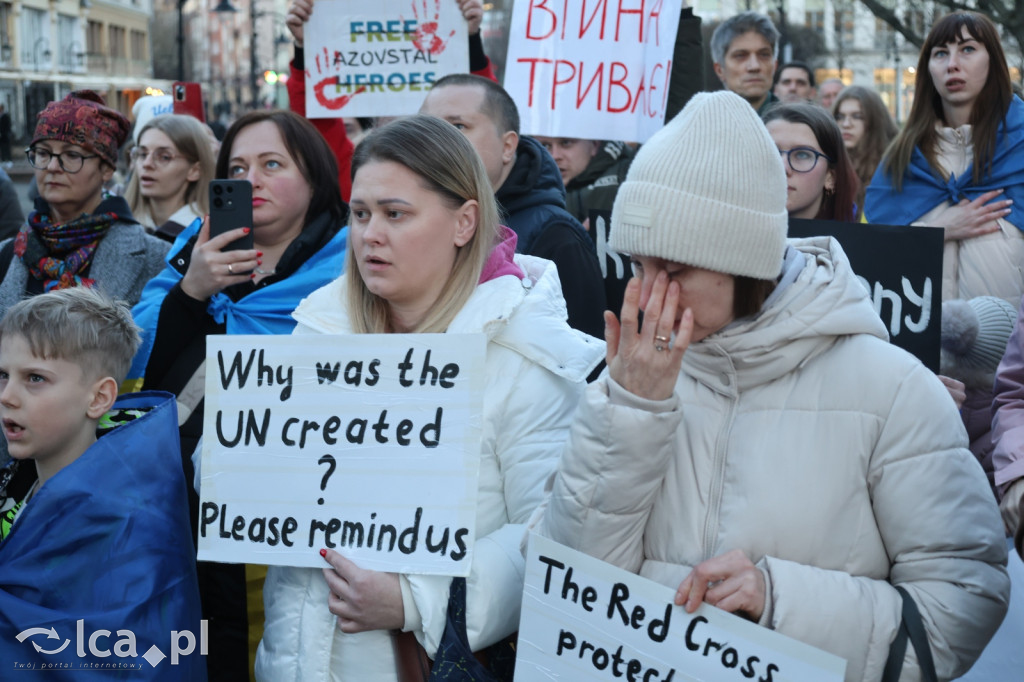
(974, 337)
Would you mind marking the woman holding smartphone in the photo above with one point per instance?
(298, 245)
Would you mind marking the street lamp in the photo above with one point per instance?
(181, 40)
(225, 7)
(43, 40)
(74, 55)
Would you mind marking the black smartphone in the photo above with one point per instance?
(231, 208)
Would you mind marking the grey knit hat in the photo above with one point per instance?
(707, 190)
(974, 337)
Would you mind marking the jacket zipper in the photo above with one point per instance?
(718, 479)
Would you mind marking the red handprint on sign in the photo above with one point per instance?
(333, 103)
(426, 36)
(323, 63)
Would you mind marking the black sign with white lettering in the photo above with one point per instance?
(901, 267)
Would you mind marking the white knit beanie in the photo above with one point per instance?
(146, 108)
(707, 190)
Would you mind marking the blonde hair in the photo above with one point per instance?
(80, 325)
(450, 167)
(191, 140)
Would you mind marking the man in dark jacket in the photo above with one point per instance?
(528, 188)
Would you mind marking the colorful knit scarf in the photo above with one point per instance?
(57, 253)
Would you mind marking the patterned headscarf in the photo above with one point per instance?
(83, 118)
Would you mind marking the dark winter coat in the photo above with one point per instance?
(532, 200)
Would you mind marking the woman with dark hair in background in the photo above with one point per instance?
(958, 163)
(820, 179)
(867, 129)
(299, 245)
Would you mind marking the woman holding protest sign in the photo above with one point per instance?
(298, 245)
(820, 181)
(427, 254)
(756, 443)
(958, 163)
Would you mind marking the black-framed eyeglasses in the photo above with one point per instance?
(69, 162)
(802, 159)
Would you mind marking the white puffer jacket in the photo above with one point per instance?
(834, 460)
(536, 371)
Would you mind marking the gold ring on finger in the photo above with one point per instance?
(661, 339)
(230, 270)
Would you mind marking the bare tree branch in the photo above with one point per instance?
(890, 17)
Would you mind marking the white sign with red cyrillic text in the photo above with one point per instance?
(591, 69)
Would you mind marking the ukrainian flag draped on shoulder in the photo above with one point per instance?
(267, 310)
(104, 547)
(924, 189)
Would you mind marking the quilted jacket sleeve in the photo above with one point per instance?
(1008, 411)
(617, 442)
(942, 532)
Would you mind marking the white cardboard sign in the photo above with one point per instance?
(367, 444)
(584, 619)
(379, 57)
(592, 69)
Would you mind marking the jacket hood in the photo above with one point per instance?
(525, 314)
(533, 181)
(826, 301)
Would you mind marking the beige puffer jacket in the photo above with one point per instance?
(835, 461)
(989, 265)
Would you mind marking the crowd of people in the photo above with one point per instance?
(670, 384)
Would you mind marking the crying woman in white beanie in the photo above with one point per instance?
(755, 442)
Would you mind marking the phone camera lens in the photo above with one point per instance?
(218, 202)
(217, 190)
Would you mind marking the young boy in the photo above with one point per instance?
(97, 573)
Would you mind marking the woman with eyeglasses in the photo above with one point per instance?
(958, 162)
(820, 180)
(172, 166)
(78, 234)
